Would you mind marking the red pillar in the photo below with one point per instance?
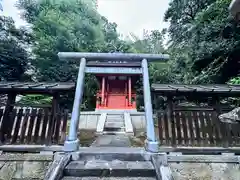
(126, 94)
(130, 91)
(103, 90)
(106, 91)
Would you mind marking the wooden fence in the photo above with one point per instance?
(33, 126)
(196, 128)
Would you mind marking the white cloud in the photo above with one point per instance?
(135, 15)
(9, 9)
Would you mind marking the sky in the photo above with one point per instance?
(9, 9)
(132, 16)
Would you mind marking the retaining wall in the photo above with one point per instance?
(19, 166)
(89, 120)
(138, 121)
(205, 171)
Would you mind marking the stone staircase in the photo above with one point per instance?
(109, 165)
(114, 124)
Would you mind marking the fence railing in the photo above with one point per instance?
(32, 126)
(196, 128)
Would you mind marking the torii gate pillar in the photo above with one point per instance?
(141, 67)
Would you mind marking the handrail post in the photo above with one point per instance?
(151, 145)
(72, 141)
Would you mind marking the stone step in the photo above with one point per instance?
(108, 154)
(113, 132)
(115, 168)
(115, 117)
(108, 178)
(113, 129)
(114, 124)
(115, 120)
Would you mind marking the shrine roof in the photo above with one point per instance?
(35, 87)
(222, 89)
(112, 56)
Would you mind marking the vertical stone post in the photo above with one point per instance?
(72, 141)
(151, 144)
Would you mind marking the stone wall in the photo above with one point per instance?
(89, 120)
(205, 171)
(19, 166)
(138, 121)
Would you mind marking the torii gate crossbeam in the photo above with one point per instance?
(72, 142)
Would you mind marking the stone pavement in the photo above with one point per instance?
(120, 140)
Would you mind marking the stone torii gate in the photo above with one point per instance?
(72, 142)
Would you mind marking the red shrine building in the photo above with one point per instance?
(116, 91)
(117, 82)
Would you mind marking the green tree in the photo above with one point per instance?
(14, 57)
(152, 42)
(181, 14)
(68, 26)
(203, 45)
(216, 57)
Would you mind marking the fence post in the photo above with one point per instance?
(217, 106)
(169, 107)
(5, 121)
(54, 112)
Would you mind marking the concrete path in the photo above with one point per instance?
(112, 141)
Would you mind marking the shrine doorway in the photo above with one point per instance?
(116, 92)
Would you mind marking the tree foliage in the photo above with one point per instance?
(14, 57)
(68, 26)
(152, 42)
(181, 14)
(36, 99)
(204, 41)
